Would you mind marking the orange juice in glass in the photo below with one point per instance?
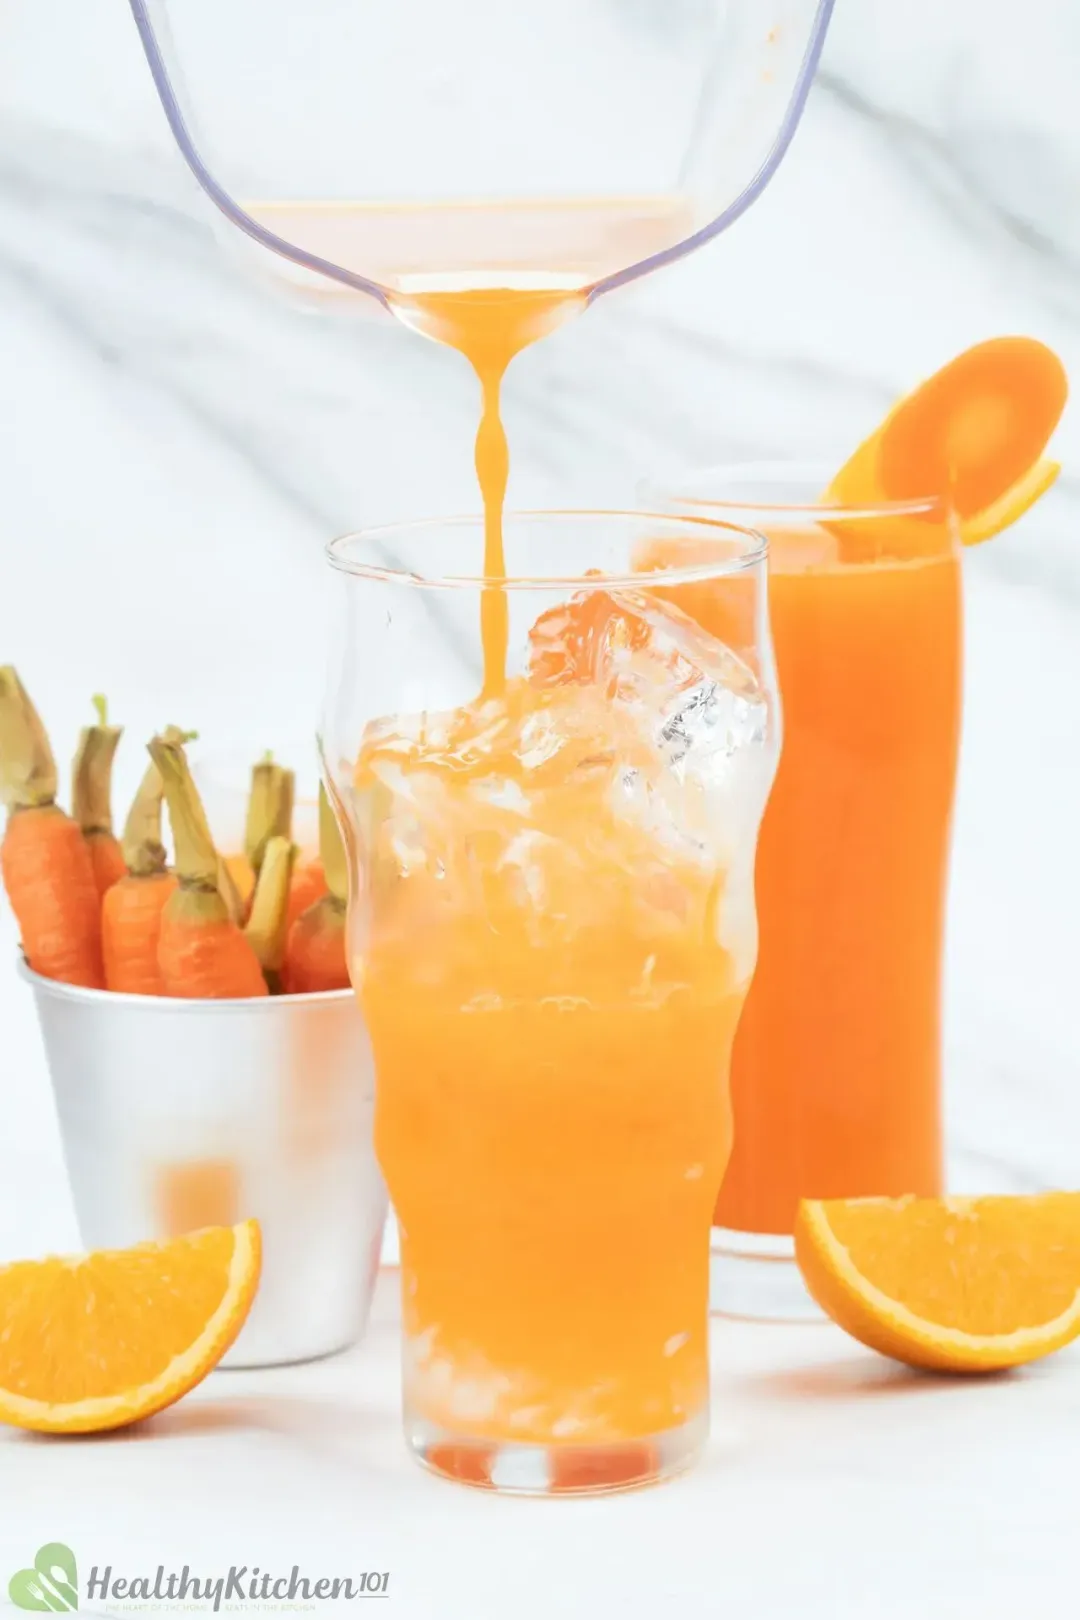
(836, 1072)
(552, 932)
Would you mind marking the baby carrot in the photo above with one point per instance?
(308, 885)
(270, 809)
(46, 865)
(202, 952)
(267, 927)
(131, 910)
(269, 815)
(315, 957)
(91, 797)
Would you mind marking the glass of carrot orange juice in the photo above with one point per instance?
(836, 1070)
(550, 779)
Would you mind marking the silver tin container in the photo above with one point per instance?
(180, 1114)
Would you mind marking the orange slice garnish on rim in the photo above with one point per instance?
(104, 1339)
(1012, 505)
(973, 434)
(957, 1284)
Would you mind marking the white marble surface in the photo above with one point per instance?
(176, 444)
(835, 1487)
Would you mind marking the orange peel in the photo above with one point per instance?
(963, 1285)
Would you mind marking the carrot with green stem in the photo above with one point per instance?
(45, 863)
(315, 957)
(270, 808)
(91, 796)
(267, 926)
(131, 910)
(269, 815)
(202, 953)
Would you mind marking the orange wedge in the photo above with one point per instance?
(104, 1339)
(972, 435)
(957, 1284)
(1012, 505)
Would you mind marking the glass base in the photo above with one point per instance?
(556, 1470)
(754, 1276)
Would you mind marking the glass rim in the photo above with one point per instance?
(700, 489)
(755, 554)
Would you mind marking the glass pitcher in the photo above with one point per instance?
(548, 144)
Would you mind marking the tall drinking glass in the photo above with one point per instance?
(551, 933)
(836, 1073)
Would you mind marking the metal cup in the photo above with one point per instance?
(181, 1114)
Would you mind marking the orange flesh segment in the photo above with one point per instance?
(967, 435)
(960, 1283)
(126, 1330)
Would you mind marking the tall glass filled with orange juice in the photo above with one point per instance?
(552, 933)
(836, 1074)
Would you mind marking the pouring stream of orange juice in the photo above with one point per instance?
(486, 279)
(489, 327)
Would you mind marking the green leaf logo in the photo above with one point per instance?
(52, 1586)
